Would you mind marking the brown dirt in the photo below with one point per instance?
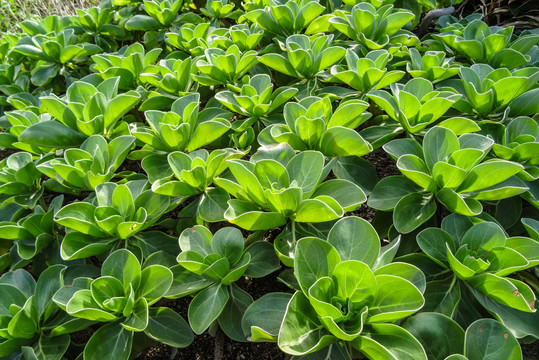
(383, 163)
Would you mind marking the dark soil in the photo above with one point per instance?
(4, 153)
(160, 351)
(82, 336)
(203, 348)
(131, 165)
(364, 212)
(530, 351)
(383, 163)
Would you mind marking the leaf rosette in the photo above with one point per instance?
(31, 324)
(83, 169)
(184, 128)
(414, 105)
(347, 294)
(220, 67)
(277, 185)
(367, 72)
(489, 92)
(284, 19)
(210, 264)
(433, 65)
(118, 213)
(492, 45)
(482, 257)
(128, 63)
(122, 297)
(375, 28)
(312, 124)
(20, 183)
(446, 168)
(182, 175)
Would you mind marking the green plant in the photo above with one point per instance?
(277, 186)
(114, 219)
(20, 184)
(519, 142)
(493, 45)
(312, 124)
(127, 64)
(489, 91)
(20, 120)
(170, 77)
(161, 14)
(83, 169)
(349, 298)
(183, 175)
(447, 169)
(12, 83)
(375, 28)
(432, 66)
(305, 56)
(123, 297)
(54, 55)
(481, 257)
(35, 238)
(218, 261)
(219, 9)
(246, 37)
(483, 338)
(195, 39)
(219, 67)
(87, 110)
(286, 19)
(29, 323)
(414, 105)
(257, 101)
(184, 128)
(367, 72)
(97, 22)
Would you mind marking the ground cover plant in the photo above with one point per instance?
(269, 179)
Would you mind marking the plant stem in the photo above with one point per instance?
(218, 345)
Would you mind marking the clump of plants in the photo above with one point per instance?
(202, 154)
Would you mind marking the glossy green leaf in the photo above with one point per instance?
(206, 307)
(390, 305)
(138, 320)
(438, 144)
(301, 332)
(169, 327)
(124, 266)
(413, 210)
(51, 135)
(155, 280)
(487, 338)
(389, 341)
(487, 174)
(228, 242)
(111, 340)
(439, 335)
(355, 239)
(314, 258)
(388, 191)
(262, 319)
(340, 141)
